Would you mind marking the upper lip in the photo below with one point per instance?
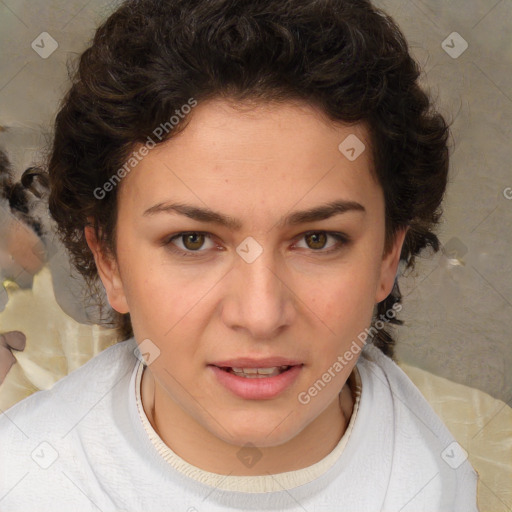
(248, 362)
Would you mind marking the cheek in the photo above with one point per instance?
(346, 306)
(164, 298)
(349, 288)
(343, 302)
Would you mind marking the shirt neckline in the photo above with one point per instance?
(260, 483)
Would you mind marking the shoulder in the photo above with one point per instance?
(434, 460)
(411, 411)
(43, 409)
(56, 437)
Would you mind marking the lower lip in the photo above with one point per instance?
(257, 388)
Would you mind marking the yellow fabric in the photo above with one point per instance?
(57, 344)
(482, 425)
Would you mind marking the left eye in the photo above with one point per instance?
(318, 239)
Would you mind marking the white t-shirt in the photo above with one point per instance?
(87, 445)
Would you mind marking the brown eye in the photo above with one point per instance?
(316, 240)
(190, 243)
(193, 241)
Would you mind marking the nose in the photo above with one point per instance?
(259, 300)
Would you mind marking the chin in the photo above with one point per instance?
(265, 432)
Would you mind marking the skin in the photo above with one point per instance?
(256, 165)
(20, 247)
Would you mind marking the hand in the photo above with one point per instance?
(12, 340)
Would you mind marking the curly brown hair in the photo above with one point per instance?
(345, 57)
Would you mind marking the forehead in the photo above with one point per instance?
(251, 128)
(266, 154)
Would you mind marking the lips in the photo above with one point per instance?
(248, 362)
(255, 382)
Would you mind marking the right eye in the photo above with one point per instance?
(191, 241)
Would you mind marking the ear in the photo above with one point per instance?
(108, 271)
(389, 266)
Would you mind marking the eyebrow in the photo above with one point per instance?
(321, 212)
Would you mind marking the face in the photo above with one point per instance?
(256, 279)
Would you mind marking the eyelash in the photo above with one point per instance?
(342, 239)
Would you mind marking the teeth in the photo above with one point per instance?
(256, 373)
(246, 370)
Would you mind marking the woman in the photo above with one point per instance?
(244, 179)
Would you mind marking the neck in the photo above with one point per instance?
(202, 449)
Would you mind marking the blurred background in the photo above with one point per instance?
(457, 303)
